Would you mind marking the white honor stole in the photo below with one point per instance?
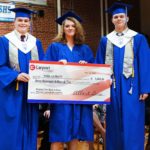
(16, 44)
(120, 41)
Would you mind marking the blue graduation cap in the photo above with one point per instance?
(22, 12)
(119, 7)
(66, 15)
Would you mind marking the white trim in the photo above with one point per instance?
(58, 12)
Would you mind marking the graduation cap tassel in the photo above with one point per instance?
(17, 85)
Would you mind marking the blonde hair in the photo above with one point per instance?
(79, 37)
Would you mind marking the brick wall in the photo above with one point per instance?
(45, 27)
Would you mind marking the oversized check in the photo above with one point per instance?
(54, 82)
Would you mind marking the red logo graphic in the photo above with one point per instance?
(32, 67)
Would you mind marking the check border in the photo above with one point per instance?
(30, 100)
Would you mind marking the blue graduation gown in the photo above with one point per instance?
(70, 121)
(18, 119)
(125, 114)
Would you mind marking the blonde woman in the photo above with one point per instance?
(70, 122)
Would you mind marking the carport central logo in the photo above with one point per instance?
(39, 67)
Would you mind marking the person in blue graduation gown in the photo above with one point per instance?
(70, 122)
(18, 119)
(128, 54)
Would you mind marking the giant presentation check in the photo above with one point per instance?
(54, 82)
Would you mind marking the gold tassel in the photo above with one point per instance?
(17, 85)
(132, 72)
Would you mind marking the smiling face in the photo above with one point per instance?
(22, 24)
(120, 21)
(69, 28)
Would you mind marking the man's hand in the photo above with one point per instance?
(143, 97)
(82, 62)
(47, 114)
(64, 61)
(24, 77)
